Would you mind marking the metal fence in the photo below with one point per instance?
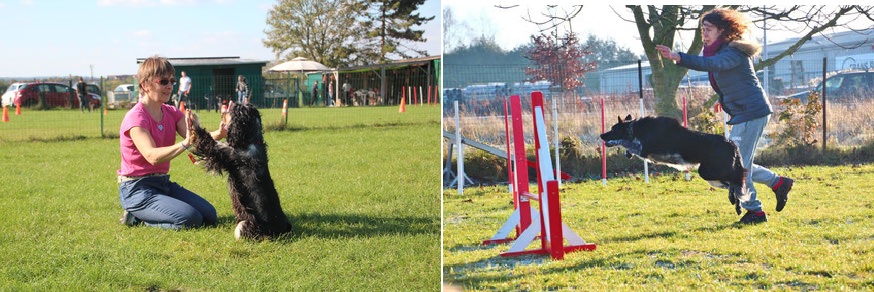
(416, 83)
(480, 90)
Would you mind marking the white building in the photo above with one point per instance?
(843, 51)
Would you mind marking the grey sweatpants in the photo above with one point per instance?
(747, 135)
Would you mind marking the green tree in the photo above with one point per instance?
(389, 24)
(606, 51)
(320, 30)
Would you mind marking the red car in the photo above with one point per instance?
(56, 95)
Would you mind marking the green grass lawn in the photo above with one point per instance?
(361, 187)
(673, 235)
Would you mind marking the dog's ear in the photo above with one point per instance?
(620, 119)
(628, 118)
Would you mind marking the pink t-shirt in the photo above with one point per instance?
(164, 133)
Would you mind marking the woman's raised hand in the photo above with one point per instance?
(666, 53)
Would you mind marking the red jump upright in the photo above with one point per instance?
(547, 223)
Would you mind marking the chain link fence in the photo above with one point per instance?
(480, 91)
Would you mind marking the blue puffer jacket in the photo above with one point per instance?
(740, 92)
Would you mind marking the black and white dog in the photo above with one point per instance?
(663, 140)
(244, 159)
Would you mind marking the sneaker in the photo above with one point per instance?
(781, 190)
(752, 217)
(128, 219)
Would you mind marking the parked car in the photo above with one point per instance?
(56, 95)
(123, 96)
(10, 93)
(842, 87)
(94, 93)
(124, 88)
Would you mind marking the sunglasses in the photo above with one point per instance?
(166, 81)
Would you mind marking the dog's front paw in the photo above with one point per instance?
(200, 139)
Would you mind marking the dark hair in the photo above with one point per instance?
(734, 24)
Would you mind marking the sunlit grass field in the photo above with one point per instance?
(674, 235)
(361, 187)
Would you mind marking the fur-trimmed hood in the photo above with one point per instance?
(752, 49)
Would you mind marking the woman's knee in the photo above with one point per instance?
(187, 220)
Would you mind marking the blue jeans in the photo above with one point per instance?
(241, 97)
(158, 202)
(746, 136)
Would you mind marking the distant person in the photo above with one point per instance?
(82, 92)
(347, 90)
(184, 89)
(147, 137)
(315, 93)
(242, 90)
(728, 59)
(329, 100)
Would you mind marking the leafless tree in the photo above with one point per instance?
(663, 25)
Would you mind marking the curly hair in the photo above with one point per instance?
(733, 23)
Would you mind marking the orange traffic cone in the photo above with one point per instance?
(17, 109)
(5, 114)
(105, 111)
(182, 106)
(284, 107)
(403, 107)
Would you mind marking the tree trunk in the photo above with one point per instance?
(665, 83)
(666, 75)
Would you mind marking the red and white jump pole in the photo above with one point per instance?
(548, 224)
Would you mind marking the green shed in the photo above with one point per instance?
(214, 79)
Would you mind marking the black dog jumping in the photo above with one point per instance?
(244, 159)
(663, 140)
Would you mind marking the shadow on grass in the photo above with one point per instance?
(664, 234)
(611, 261)
(335, 226)
(595, 260)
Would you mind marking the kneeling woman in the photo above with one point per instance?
(148, 143)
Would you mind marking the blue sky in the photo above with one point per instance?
(60, 38)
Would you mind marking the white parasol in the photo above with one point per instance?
(300, 64)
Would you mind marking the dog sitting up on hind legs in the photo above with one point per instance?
(244, 158)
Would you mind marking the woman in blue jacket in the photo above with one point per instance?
(728, 59)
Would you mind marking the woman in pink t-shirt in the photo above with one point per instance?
(148, 143)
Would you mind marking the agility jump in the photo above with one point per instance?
(527, 221)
